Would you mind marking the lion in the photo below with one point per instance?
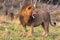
(33, 18)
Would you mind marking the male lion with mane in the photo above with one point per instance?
(29, 16)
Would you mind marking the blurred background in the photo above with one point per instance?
(10, 28)
(13, 7)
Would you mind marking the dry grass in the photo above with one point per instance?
(11, 30)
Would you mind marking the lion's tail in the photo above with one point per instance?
(53, 24)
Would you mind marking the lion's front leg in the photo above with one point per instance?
(24, 31)
(30, 30)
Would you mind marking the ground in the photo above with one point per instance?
(11, 30)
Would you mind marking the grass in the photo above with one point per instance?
(12, 31)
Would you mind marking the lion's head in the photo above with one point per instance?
(26, 11)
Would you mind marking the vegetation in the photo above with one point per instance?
(11, 30)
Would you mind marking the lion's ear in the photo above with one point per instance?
(29, 8)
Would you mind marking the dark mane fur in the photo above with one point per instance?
(25, 6)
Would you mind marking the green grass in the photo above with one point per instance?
(14, 32)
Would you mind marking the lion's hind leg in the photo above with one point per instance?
(45, 26)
